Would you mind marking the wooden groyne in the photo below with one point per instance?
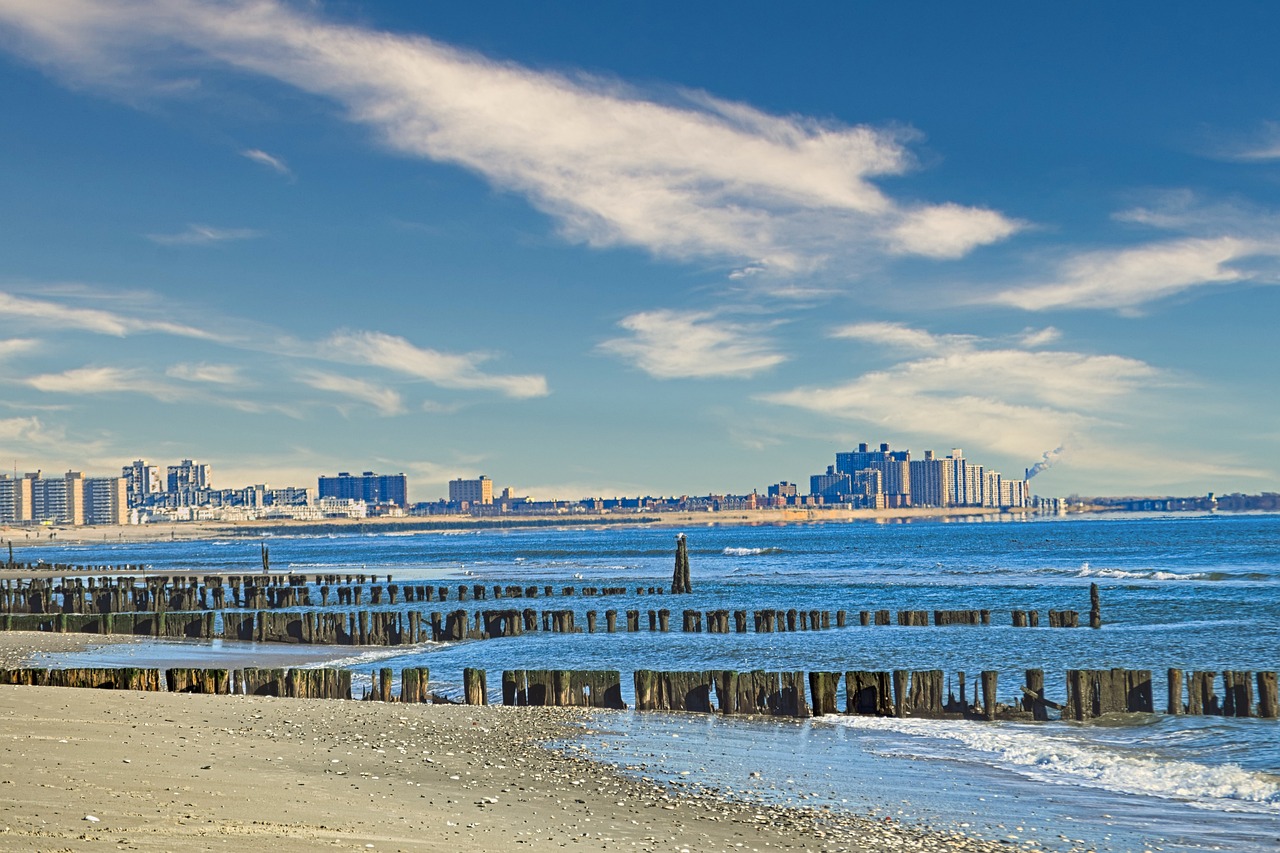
(134, 593)
(923, 694)
(407, 626)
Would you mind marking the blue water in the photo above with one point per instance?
(1193, 592)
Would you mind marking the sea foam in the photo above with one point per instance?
(1063, 760)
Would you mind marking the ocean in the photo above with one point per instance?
(1179, 590)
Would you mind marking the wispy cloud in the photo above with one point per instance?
(215, 374)
(62, 316)
(203, 235)
(976, 391)
(902, 337)
(385, 400)
(104, 380)
(691, 344)
(1130, 277)
(13, 346)
(276, 164)
(446, 370)
(683, 175)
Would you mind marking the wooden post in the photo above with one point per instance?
(1035, 684)
(1095, 607)
(1175, 706)
(989, 677)
(473, 686)
(680, 576)
(1268, 701)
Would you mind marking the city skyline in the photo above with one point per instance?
(658, 250)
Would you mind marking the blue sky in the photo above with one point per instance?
(656, 248)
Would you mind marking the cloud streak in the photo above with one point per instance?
(203, 235)
(61, 316)
(273, 163)
(385, 401)
(691, 345)
(684, 176)
(446, 370)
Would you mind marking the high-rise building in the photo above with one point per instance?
(106, 500)
(895, 466)
(142, 481)
(931, 481)
(15, 499)
(368, 487)
(782, 490)
(471, 491)
(188, 475)
(60, 501)
(831, 486)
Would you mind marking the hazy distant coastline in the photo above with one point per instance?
(440, 524)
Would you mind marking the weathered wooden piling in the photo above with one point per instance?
(262, 682)
(1033, 698)
(1094, 692)
(1237, 689)
(474, 687)
(186, 680)
(563, 688)
(868, 693)
(989, 678)
(1174, 684)
(918, 693)
(1064, 619)
(680, 575)
(1201, 698)
(1268, 700)
(822, 692)
(1095, 606)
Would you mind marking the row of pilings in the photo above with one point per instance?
(396, 627)
(129, 594)
(897, 693)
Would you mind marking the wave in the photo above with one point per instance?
(1150, 575)
(749, 552)
(1066, 760)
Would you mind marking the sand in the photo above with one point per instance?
(97, 770)
(29, 536)
(85, 769)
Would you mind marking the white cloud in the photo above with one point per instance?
(949, 230)
(1129, 277)
(14, 346)
(385, 400)
(447, 370)
(967, 390)
(684, 176)
(257, 155)
(215, 374)
(678, 345)
(59, 316)
(1036, 338)
(104, 380)
(203, 235)
(901, 337)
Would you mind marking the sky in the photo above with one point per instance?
(659, 248)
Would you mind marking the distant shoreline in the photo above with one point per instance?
(28, 536)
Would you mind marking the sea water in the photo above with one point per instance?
(1185, 591)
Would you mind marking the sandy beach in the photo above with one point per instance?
(27, 536)
(88, 770)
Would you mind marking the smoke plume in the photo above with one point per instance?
(1046, 461)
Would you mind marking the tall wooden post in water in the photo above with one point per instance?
(680, 577)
